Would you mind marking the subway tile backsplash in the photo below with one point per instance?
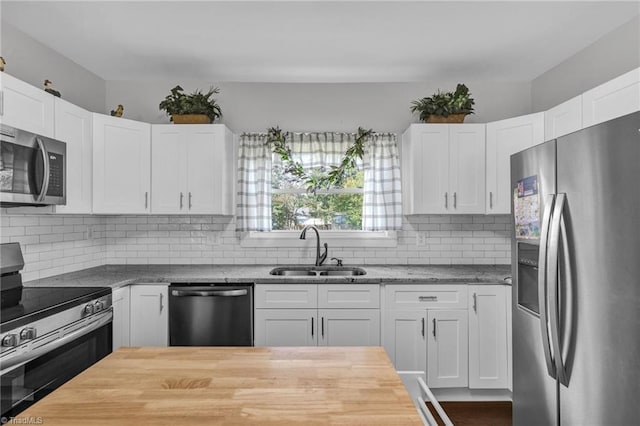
(54, 244)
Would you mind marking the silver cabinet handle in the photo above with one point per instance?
(446, 200)
(1, 102)
(45, 177)
(189, 200)
(542, 283)
(428, 298)
(490, 199)
(209, 293)
(455, 200)
(181, 197)
(422, 326)
(322, 327)
(146, 200)
(475, 302)
(161, 305)
(434, 328)
(311, 326)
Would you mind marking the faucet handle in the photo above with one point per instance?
(337, 260)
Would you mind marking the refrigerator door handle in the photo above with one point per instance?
(542, 284)
(558, 229)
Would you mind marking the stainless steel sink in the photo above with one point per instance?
(310, 271)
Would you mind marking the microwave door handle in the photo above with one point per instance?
(542, 284)
(557, 226)
(47, 169)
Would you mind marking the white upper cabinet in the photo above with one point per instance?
(73, 125)
(563, 119)
(193, 169)
(25, 107)
(615, 98)
(504, 138)
(121, 165)
(443, 168)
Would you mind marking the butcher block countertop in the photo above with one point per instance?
(230, 386)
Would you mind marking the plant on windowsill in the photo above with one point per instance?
(193, 108)
(445, 107)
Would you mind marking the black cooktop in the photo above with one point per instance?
(39, 302)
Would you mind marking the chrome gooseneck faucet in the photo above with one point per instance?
(319, 258)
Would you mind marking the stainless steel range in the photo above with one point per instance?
(47, 334)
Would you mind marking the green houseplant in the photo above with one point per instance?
(194, 108)
(445, 107)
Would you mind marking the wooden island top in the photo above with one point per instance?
(233, 385)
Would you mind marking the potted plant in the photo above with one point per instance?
(445, 107)
(194, 108)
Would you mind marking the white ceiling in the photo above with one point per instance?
(321, 41)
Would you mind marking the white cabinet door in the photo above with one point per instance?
(488, 365)
(349, 327)
(121, 319)
(405, 340)
(504, 138)
(447, 349)
(615, 98)
(168, 170)
(286, 327)
(121, 165)
(73, 125)
(466, 168)
(426, 154)
(149, 315)
(26, 107)
(563, 119)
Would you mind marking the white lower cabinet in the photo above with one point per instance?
(451, 335)
(488, 337)
(312, 314)
(286, 327)
(121, 317)
(447, 349)
(349, 327)
(149, 315)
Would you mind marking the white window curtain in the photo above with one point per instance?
(254, 184)
(382, 208)
(382, 205)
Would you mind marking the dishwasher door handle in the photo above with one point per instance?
(213, 293)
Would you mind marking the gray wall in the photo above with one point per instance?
(614, 54)
(321, 107)
(31, 61)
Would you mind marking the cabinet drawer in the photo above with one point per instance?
(426, 296)
(292, 296)
(348, 296)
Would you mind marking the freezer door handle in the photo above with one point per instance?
(542, 284)
(558, 228)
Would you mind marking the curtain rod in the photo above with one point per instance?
(317, 133)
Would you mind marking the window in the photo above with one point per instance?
(338, 208)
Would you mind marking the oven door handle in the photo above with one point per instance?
(47, 170)
(17, 360)
(205, 293)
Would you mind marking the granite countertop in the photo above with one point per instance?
(121, 275)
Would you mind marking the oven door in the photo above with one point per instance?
(30, 376)
(32, 169)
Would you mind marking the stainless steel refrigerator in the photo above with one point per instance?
(576, 278)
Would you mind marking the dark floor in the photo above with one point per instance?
(489, 413)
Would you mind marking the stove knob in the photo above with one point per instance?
(97, 306)
(88, 309)
(10, 340)
(28, 333)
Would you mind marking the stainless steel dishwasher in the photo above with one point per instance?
(211, 314)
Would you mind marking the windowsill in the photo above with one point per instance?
(335, 239)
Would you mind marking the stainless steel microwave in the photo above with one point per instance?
(33, 169)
